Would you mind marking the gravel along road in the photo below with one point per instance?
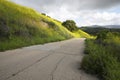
(51, 61)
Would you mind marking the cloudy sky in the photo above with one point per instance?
(84, 12)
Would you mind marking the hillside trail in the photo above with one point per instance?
(51, 61)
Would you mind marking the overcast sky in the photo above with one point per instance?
(84, 12)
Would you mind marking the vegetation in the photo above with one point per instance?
(70, 25)
(102, 56)
(79, 33)
(21, 26)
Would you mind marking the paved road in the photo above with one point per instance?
(52, 61)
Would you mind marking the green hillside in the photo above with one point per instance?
(21, 26)
(79, 33)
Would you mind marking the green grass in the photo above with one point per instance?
(21, 26)
(103, 57)
(79, 33)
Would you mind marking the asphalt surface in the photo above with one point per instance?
(51, 61)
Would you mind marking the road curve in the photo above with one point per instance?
(52, 61)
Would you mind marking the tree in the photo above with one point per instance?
(70, 25)
(102, 34)
(43, 14)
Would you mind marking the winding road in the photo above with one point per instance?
(51, 61)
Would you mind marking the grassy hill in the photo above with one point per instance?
(21, 26)
(79, 33)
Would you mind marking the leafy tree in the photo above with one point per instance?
(70, 25)
(43, 14)
(102, 34)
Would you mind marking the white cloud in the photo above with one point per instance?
(101, 18)
(84, 18)
(62, 14)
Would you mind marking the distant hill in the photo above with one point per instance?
(105, 26)
(94, 30)
(112, 26)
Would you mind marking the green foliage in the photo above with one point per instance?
(70, 25)
(4, 30)
(102, 35)
(101, 62)
(108, 37)
(43, 14)
(103, 57)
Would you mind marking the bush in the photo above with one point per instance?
(70, 25)
(4, 29)
(101, 62)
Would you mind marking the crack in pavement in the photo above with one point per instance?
(14, 74)
(80, 77)
(67, 53)
(52, 73)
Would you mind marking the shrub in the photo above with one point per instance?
(4, 29)
(70, 25)
(101, 62)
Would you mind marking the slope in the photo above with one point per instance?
(21, 26)
(81, 34)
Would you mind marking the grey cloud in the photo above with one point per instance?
(40, 5)
(92, 4)
(46, 5)
(101, 4)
